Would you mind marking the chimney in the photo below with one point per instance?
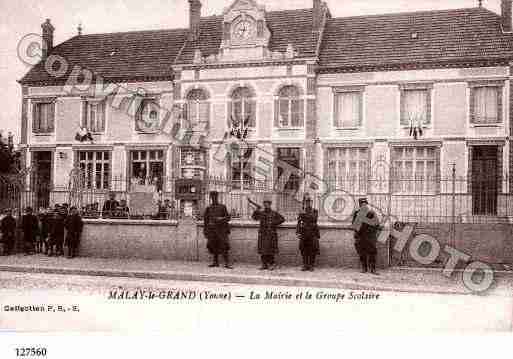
(506, 15)
(317, 15)
(48, 30)
(194, 19)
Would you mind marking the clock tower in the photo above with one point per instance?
(245, 32)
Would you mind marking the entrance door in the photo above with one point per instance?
(42, 178)
(484, 180)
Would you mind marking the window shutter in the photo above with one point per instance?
(472, 104)
(336, 100)
(360, 110)
(51, 117)
(403, 119)
(102, 114)
(276, 113)
(35, 117)
(302, 113)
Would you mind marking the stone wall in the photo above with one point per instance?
(185, 241)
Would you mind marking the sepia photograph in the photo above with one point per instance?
(246, 166)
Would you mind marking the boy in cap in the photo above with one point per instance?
(216, 229)
(267, 234)
(30, 227)
(365, 224)
(8, 229)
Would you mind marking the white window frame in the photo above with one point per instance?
(338, 92)
(409, 186)
(94, 161)
(290, 99)
(358, 185)
(36, 103)
(86, 116)
(498, 87)
(194, 167)
(242, 186)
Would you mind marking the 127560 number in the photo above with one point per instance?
(30, 352)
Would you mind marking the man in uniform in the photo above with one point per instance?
(308, 232)
(30, 227)
(216, 229)
(365, 224)
(8, 228)
(267, 235)
(74, 226)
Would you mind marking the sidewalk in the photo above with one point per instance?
(396, 280)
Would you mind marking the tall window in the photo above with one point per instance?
(242, 109)
(193, 163)
(147, 169)
(486, 106)
(241, 166)
(415, 106)
(95, 168)
(43, 117)
(290, 107)
(198, 108)
(414, 169)
(348, 169)
(292, 157)
(348, 109)
(147, 116)
(94, 116)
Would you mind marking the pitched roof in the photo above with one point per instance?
(380, 40)
(116, 56)
(150, 54)
(287, 27)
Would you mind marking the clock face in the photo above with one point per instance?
(243, 30)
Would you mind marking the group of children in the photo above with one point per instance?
(47, 232)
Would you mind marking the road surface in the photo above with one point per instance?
(43, 302)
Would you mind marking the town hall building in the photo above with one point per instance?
(414, 103)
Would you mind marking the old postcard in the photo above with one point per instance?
(209, 166)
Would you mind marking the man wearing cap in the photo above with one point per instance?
(308, 233)
(74, 226)
(216, 229)
(267, 235)
(30, 227)
(8, 229)
(365, 224)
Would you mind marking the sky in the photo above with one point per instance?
(21, 17)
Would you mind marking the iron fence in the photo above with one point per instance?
(431, 200)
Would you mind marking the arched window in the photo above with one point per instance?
(198, 107)
(242, 108)
(289, 108)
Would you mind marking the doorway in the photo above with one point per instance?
(42, 178)
(484, 180)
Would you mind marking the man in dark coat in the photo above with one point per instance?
(267, 235)
(110, 206)
(30, 227)
(44, 220)
(365, 224)
(308, 233)
(57, 232)
(74, 226)
(8, 228)
(216, 229)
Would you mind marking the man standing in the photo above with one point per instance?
(110, 206)
(57, 231)
(74, 226)
(8, 228)
(308, 232)
(30, 227)
(365, 224)
(216, 229)
(267, 235)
